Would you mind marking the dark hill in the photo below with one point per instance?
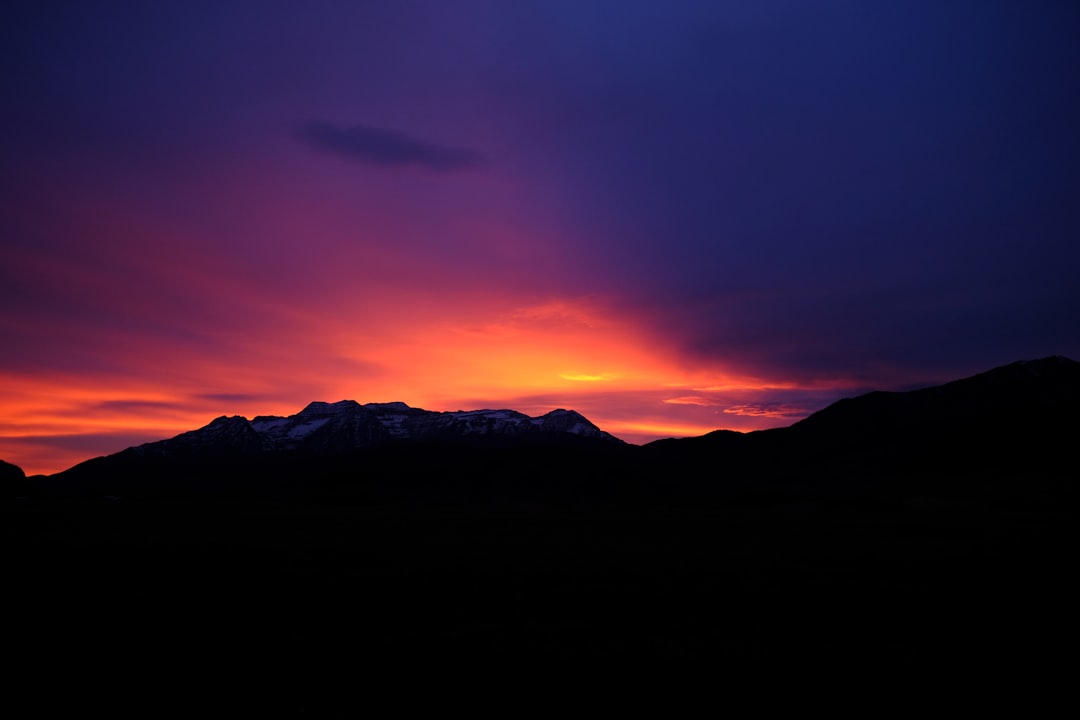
(1011, 424)
(9, 472)
(1008, 430)
(1033, 395)
(13, 482)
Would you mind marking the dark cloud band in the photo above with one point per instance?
(382, 147)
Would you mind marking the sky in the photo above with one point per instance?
(673, 216)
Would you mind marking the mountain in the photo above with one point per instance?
(13, 481)
(891, 535)
(331, 428)
(9, 472)
(343, 442)
(1040, 393)
(1006, 432)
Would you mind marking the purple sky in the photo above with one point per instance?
(673, 217)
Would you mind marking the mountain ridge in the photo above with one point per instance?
(345, 425)
(933, 536)
(1009, 422)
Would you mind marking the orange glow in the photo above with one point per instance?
(776, 411)
(156, 338)
(532, 357)
(643, 432)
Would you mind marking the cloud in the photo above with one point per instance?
(136, 406)
(689, 400)
(774, 410)
(387, 148)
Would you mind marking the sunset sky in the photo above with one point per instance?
(672, 217)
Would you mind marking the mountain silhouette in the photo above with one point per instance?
(337, 444)
(9, 472)
(303, 560)
(1007, 430)
(12, 479)
(328, 428)
(1002, 432)
(1032, 397)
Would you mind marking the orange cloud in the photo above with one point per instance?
(766, 410)
(689, 400)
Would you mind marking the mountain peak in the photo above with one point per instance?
(10, 472)
(1055, 365)
(227, 420)
(346, 425)
(325, 408)
(390, 406)
(562, 412)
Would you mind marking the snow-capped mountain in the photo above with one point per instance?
(1008, 431)
(346, 425)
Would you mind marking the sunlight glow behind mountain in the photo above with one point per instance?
(532, 359)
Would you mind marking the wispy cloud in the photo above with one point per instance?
(387, 148)
(774, 410)
(690, 400)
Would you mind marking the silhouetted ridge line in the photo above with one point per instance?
(1005, 432)
(326, 442)
(347, 425)
(1041, 389)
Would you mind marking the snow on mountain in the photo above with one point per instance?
(346, 425)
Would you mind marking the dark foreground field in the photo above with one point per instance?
(311, 607)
